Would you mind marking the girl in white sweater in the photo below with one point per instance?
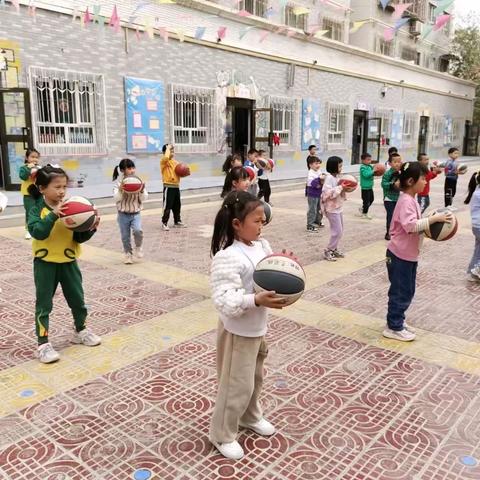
(241, 347)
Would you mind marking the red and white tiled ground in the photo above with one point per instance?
(344, 409)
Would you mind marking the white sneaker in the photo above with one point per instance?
(402, 335)
(368, 216)
(338, 254)
(27, 235)
(232, 450)
(179, 225)
(262, 427)
(165, 227)
(471, 277)
(476, 271)
(408, 327)
(86, 337)
(47, 354)
(139, 252)
(329, 256)
(360, 213)
(128, 259)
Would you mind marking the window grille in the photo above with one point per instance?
(438, 130)
(337, 124)
(68, 111)
(293, 20)
(409, 126)
(334, 29)
(386, 116)
(193, 118)
(255, 7)
(384, 47)
(457, 128)
(284, 119)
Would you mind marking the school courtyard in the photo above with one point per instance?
(348, 404)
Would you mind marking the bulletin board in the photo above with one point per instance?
(310, 123)
(144, 105)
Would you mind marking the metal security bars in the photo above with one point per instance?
(409, 126)
(68, 111)
(193, 118)
(335, 29)
(386, 124)
(438, 130)
(284, 118)
(384, 47)
(255, 7)
(337, 125)
(292, 19)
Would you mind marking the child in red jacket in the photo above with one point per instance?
(423, 197)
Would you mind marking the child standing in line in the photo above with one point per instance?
(31, 163)
(55, 251)
(423, 197)
(390, 186)
(264, 190)
(237, 247)
(252, 161)
(332, 200)
(473, 198)
(391, 151)
(312, 152)
(404, 248)
(451, 176)
(232, 161)
(171, 189)
(129, 206)
(237, 179)
(314, 191)
(366, 185)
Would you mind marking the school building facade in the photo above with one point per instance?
(89, 86)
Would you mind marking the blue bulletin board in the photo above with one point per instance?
(310, 123)
(144, 105)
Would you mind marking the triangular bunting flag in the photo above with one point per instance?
(200, 32)
(441, 21)
(87, 17)
(400, 9)
(244, 31)
(384, 3)
(221, 32)
(442, 6)
(180, 34)
(358, 25)
(264, 34)
(96, 13)
(115, 19)
(401, 22)
(163, 33)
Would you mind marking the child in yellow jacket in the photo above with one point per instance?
(171, 188)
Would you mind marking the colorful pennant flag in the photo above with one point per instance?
(32, 10)
(442, 6)
(358, 25)
(400, 9)
(114, 19)
(221, 32)
(441, 21)
(163, 33)
(300, 10)
(87, 17)
(244, 13)
(401, 22)
(389, 34)
(200, 32)
(96, 14)
(384, 3)
(244, 31)
(426, 31)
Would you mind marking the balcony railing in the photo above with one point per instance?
(418, 9)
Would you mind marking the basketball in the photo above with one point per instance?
(182, 170)
(78, 214)
(33, 173)
(268, 212)
(441, 231)
(348, 182)
(462, 168)
(132, 184)
(379, 169)
(280, 273)
(439, 164)
(262, 163)
(271, 163)
(251, 172)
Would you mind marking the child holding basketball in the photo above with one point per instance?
(423, 197)
(55, 251)
(390, 186)
(171, 189)
(31, 163)
(366, 185)
(129, 206)
(451, 176)
(264, 189)
(252, 161)
(237, 247)
(473, 198)
(404, 247)
(237, 179)
(314, 191)
(332, 200)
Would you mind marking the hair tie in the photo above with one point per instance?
(405, 166)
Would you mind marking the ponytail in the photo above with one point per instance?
(237, 205)
(234, 175)
(43, 177)
(122, 166)
(472, 186)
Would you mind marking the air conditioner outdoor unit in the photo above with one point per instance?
(415, 28)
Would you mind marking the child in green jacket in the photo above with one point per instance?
(366, 185)
(391, 192)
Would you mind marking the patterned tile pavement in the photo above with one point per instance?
(347, 404)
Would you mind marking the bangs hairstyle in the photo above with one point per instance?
(43, 178)
(333, 164)
(122, 166)
(413, 171)
(311, 159)
(234, 175)
(227, 165)
(237, 205)
(29, 151)
(472, 186)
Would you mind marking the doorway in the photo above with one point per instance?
(359, 136)
(423, 134)
(239, 125)
(470, 141)
(15, 134)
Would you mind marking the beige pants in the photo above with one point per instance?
(240, 378)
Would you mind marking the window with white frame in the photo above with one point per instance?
(193, 118)
(334, 29)
(284, 114)
(68, 111)
(255, 7)
(431, 12)
(384, 47)
(337, 124)
(293, 19)
(386, 116)
(438, 130)
(409, 121)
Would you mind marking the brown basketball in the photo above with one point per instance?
(182, 170)
(379, 169)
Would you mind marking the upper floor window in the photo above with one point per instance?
(255, 7)
(409, 120)
(438, 129)
(192, 118)
(68, 111)
(337, 124)
(334, 29)
(384, 47)
(409, 54)
(431, 12)
(294, 20)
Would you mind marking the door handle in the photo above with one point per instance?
(25, 137)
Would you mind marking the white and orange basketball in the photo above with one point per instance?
(348, 182)
(251, 172)
(132, 184)
(78, 214)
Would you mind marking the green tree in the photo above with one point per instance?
(465, 49)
